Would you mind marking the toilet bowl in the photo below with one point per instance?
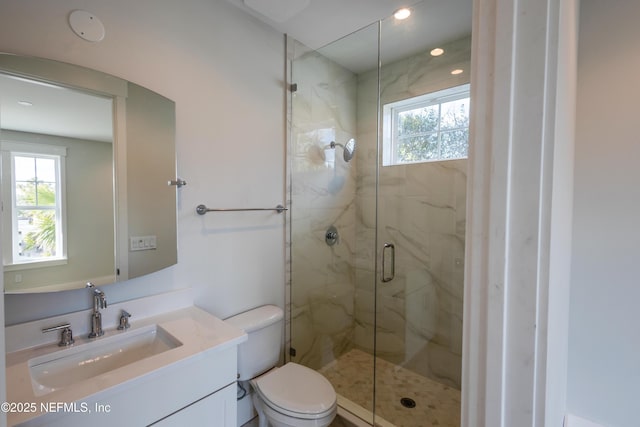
(294, 395)
(290, 396)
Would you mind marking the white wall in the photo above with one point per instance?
(604, 340)
(225, 72)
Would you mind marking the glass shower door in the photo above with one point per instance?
(423, 140)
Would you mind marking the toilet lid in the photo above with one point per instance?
(297, 389)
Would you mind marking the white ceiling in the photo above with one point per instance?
(55, 110)
(316, 23)
(432, 23)
(319, 23)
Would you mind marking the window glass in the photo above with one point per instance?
(37, 234)
(34, 194)
(36, 181)
(427, 128)
(36, 222)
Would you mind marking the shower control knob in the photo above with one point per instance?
(331, 236)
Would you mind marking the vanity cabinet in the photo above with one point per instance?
(200, 392)
(190, 384)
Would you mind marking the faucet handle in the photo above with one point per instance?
(100, 299)
(66, 336)
(124, 320)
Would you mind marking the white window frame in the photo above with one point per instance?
(9, 150)
(390, 120)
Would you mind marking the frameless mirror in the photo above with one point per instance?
(86, 161)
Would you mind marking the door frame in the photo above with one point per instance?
(519, 206)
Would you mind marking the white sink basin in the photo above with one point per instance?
(66, 367)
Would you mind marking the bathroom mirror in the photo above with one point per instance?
(86, 163)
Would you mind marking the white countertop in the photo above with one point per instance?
(198, 331)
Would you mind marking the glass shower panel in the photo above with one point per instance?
(424, 108)
(377, 145)
(332, 142)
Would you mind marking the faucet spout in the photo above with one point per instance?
(99, 301)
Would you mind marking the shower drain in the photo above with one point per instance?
(407, 402)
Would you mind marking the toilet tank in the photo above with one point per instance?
(261, 351)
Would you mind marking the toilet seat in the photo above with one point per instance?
(297, 391)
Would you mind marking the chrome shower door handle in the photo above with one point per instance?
(388, 246)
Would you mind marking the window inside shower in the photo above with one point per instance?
(429, 127)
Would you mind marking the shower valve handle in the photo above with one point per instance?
(331, 236)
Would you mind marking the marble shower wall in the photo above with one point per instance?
(322, 194)
(422, 210)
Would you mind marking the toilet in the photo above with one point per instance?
(289, 396)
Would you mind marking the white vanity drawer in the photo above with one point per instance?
(216, 410)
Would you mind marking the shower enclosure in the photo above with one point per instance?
(377, 148)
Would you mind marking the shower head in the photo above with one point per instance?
(347, 150)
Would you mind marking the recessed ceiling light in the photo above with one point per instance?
(401, 14)
(457, 71)
(437, 51)
(25, 103)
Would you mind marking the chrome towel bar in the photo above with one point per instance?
(202, 209)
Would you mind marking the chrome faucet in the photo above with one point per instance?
(99, 301)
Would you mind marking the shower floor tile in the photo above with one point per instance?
(352, 377)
